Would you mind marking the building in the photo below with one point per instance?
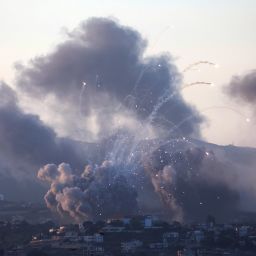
(131, 246)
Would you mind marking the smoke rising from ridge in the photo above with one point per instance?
(98, 86)
(98, 193)
(190, 183)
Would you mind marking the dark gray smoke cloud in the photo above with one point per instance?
(27, 143)
(181, 180)
(120, 81)
(25, 137)
(193, 183)
(243, 88)
(134, 99)
(98, 193)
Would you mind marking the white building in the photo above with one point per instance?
(110, 229)
(1, 197)
(148, 222)
(96, 238)
(243, 231)
(131, 246)
(198, 235)
(126, 221)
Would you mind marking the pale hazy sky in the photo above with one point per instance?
(221, 31)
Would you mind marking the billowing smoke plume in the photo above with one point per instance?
(100, 75)
(192, 183)
(180, 181)
(27, 144)
(98, 193)
(26, 138)
(98, 86)
(243, 88)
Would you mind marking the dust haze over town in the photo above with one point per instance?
(106, 122)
